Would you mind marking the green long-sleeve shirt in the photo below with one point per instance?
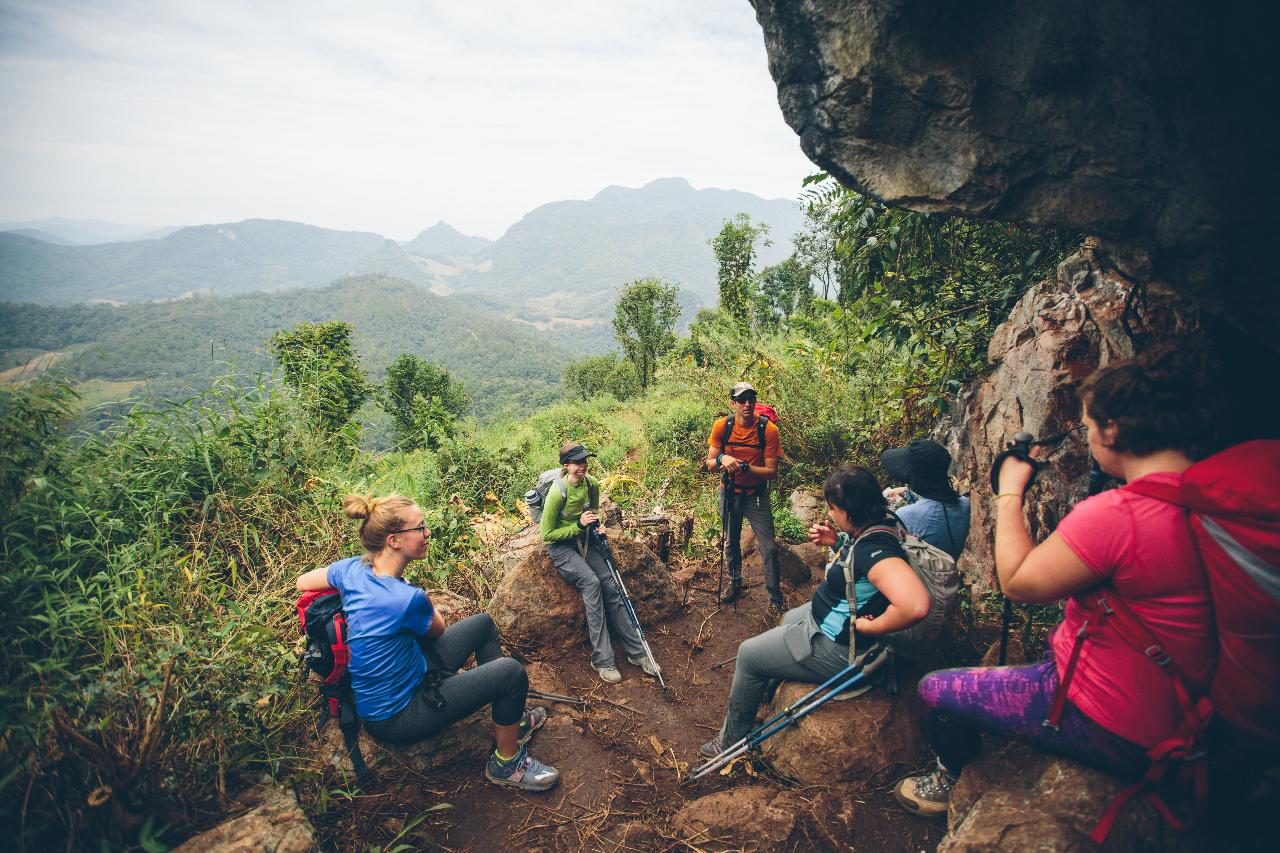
(560, 514)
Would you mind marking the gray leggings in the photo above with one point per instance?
(495, 680)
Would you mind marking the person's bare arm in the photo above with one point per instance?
(437, 626)
(908, 599)
(315, 579)
(1034, 574)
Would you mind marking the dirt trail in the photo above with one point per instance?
(608, 756)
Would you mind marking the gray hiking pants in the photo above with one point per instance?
(757, 510)
(603, 602)
(794, 651)
(495, 680)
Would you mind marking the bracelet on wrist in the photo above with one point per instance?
(1017, 495)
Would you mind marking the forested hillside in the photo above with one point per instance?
(180, 347)
(254, 255)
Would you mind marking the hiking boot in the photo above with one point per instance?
(733, 592)
(650, 667)
(524, 772)
(711, 748)
(531, 721)
(928, 794)
(608, 674)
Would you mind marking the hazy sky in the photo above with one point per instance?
(379, 116)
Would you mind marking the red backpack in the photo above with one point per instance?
(1232, 500)
(324, 624)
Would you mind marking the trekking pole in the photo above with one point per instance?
(607, 553)
(555, 697)
(724, 543)
(842, 680)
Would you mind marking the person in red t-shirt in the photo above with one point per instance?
(748, 464)
(1144, 416)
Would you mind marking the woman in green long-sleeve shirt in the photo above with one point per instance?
(571, 506)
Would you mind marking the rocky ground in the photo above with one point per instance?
(622, 759)
(825, 785)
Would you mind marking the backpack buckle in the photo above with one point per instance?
(1105, 606)
(1157, 655)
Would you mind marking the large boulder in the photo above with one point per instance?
(451, 606)
(847, 741)
(536, 608)
(796, 564)
(1057, 334)
(1015, 798)
(808, 507)
(275, 823)
(1136, 122)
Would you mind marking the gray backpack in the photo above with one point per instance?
(936, 570)
(536, 498)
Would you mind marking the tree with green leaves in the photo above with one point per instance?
(785, 288)
(736, 248)
(645, 322)
(320, 363)
(601, 374)
(424, 401)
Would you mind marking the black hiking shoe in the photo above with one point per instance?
(733, 592)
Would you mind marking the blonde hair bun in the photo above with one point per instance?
(358, 506)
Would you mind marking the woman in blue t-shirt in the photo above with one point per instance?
(392, 626)
(812, 643)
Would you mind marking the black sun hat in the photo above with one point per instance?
(575, 453)
(922, 465)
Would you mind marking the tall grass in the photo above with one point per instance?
(148, 660)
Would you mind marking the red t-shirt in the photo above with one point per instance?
(1144, 547)
(744, 444)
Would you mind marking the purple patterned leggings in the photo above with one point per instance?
(1012, 701)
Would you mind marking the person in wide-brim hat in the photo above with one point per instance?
(934, 510)
(923, 466)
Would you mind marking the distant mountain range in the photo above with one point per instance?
(85, 232)
(559, 267)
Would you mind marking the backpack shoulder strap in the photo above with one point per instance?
(763, 422)
(593, 493)
(1166, 492)
(727, 431)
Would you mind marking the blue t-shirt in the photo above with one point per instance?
(385, 618)
(930, 520)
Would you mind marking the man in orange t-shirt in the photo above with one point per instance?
(748, 460)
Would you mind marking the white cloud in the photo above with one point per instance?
(384, 118)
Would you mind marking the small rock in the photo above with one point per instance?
(451, 606)
(807, 506)
(753, 817)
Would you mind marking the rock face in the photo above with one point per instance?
(1014, 798)
(847, 741)
(1135, 122)
(761, 817)
(1057, 334)
(534, 607)
(276, 824)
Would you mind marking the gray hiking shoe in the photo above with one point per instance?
(524, 772)
(531, 721)
(711, 748)
(928, 794)
(608, 674)
(650, 667)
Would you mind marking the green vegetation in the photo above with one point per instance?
(424, 402)
(151, 664)
(644, 323)
(180, 347)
